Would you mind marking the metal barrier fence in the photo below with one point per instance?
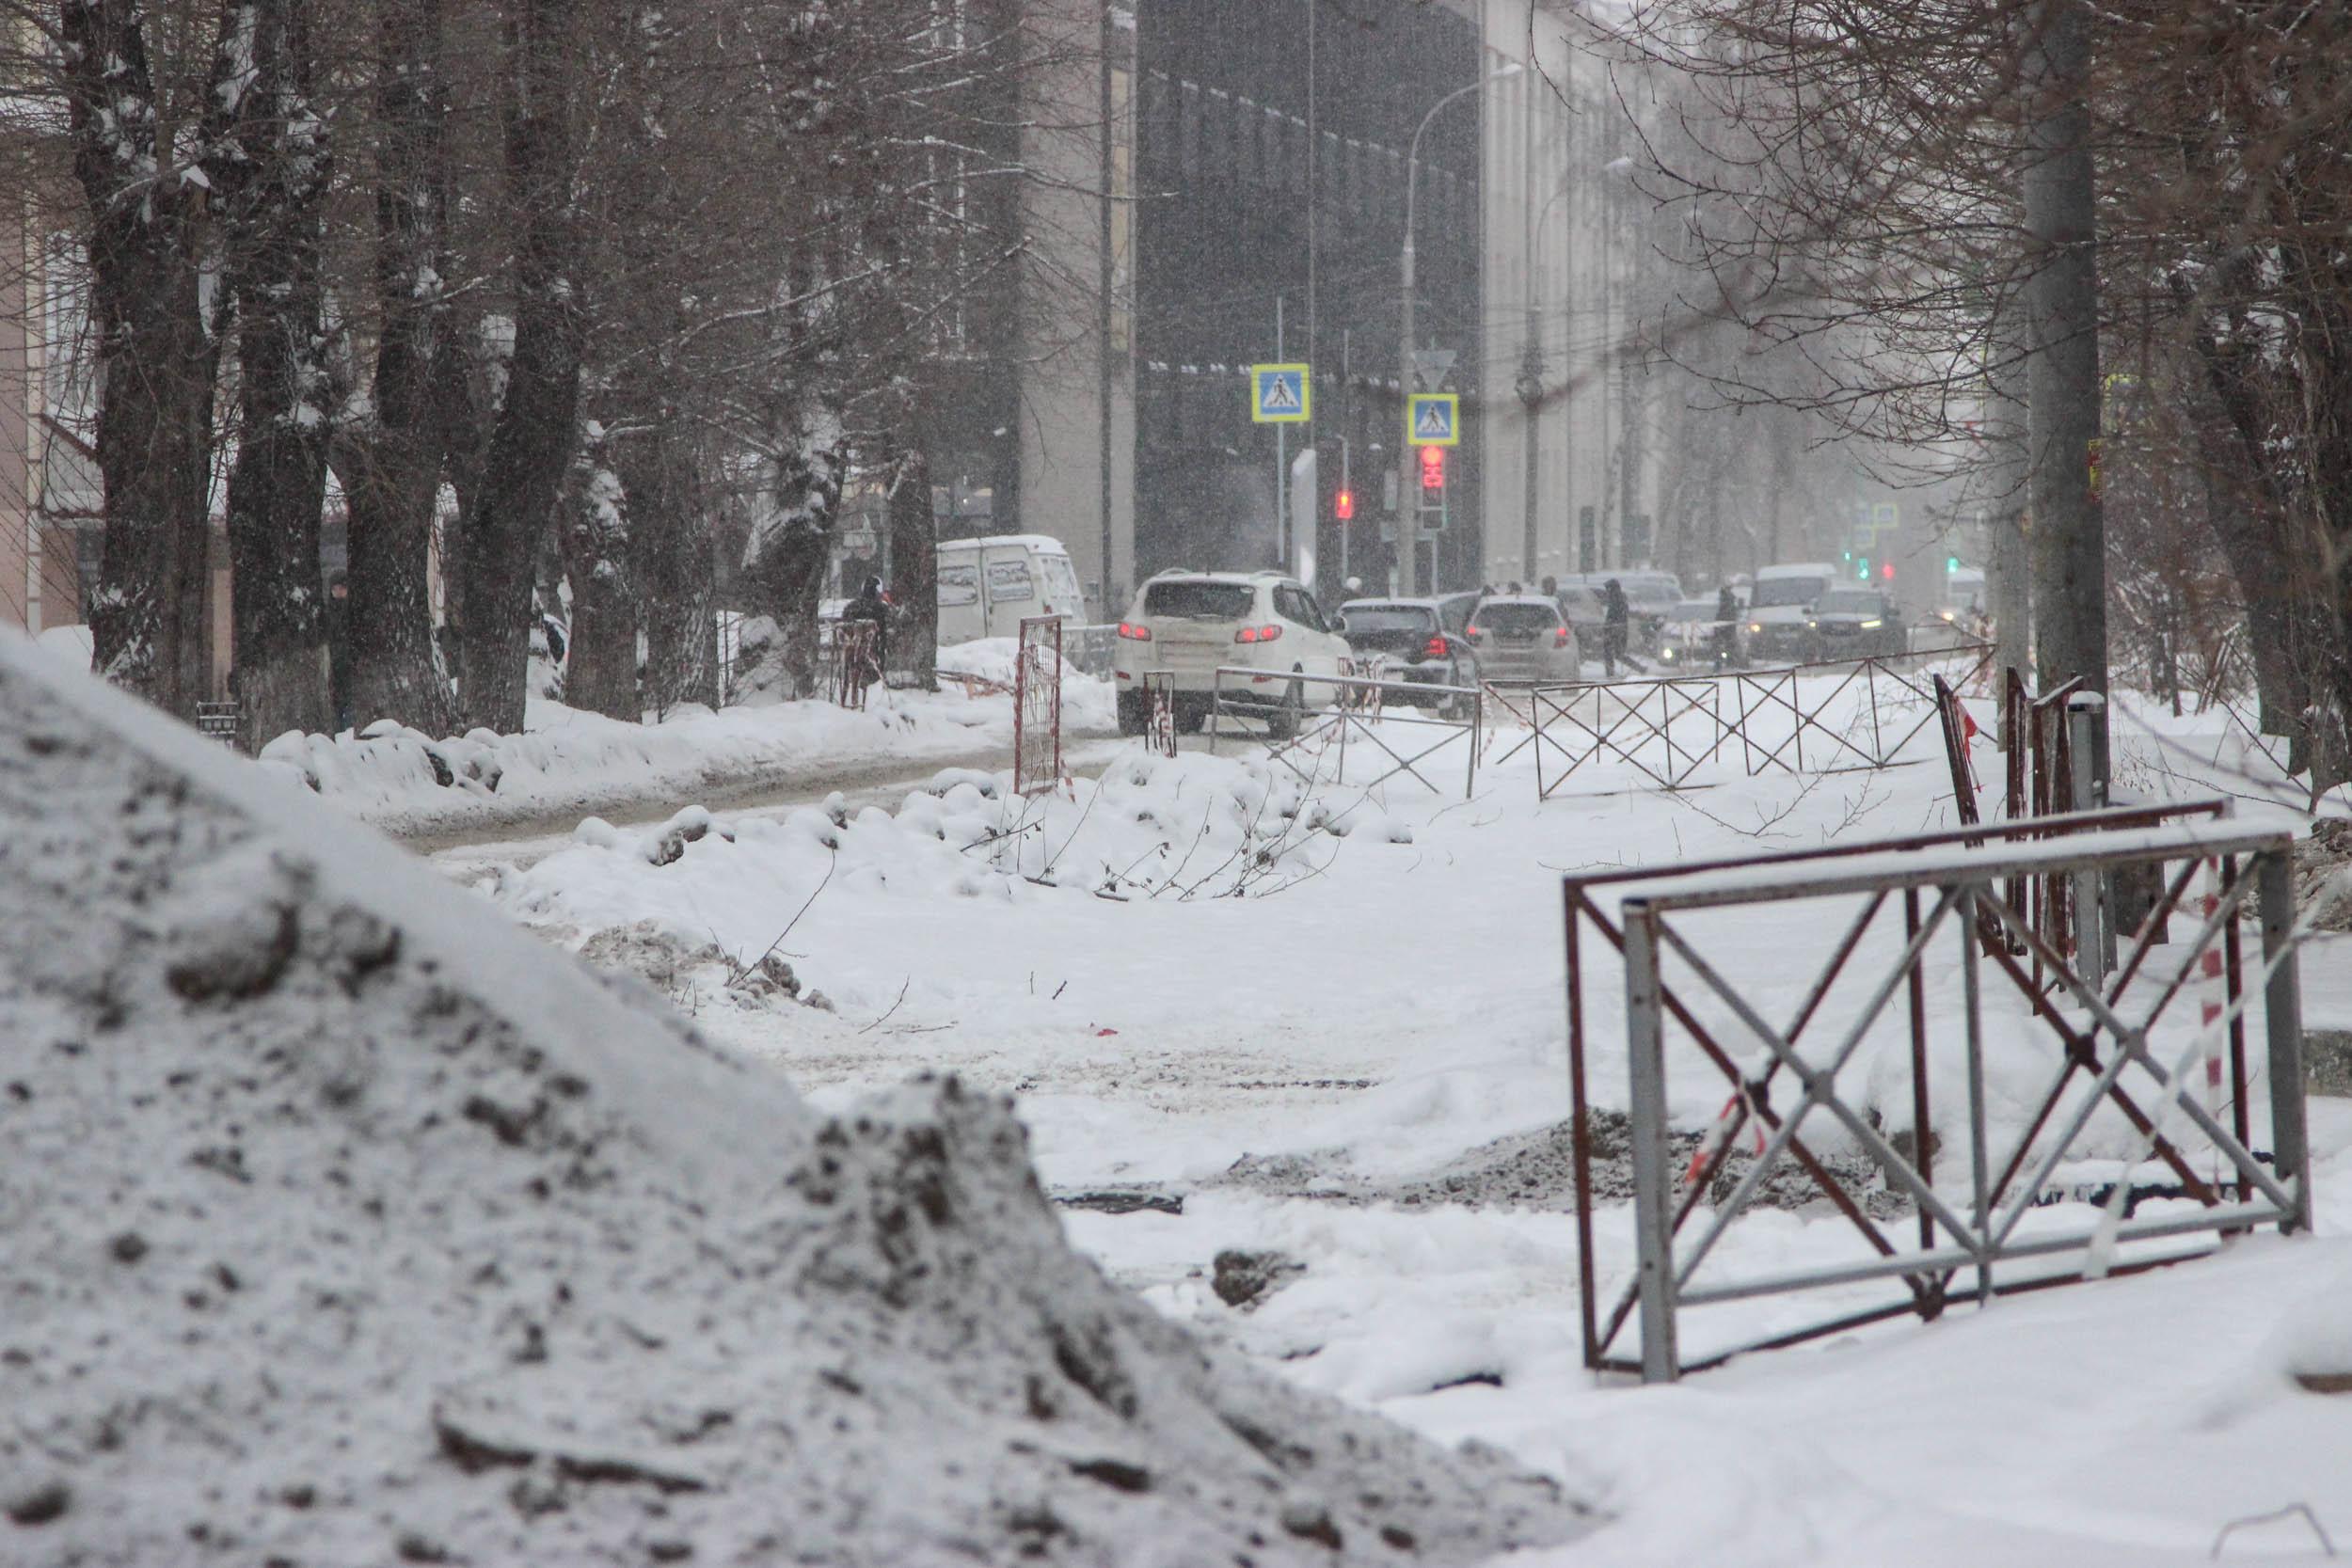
(1037, 706)
(1357, 709)
(222, 721)
(1664, 728)
(1159, 696)
(1967, 870)
(1668, 728)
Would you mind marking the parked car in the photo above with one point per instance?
(1411, 638)
(1525, 638)
(1692, 636)
(1855, 622)
(1190, 622)
(1780, 610)
(986, 586)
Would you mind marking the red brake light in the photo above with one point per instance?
(1257, 634)
(1436, 646)
(1560, 638)
(1134, 632)
(1476, 632)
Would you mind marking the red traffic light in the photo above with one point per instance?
(1343, 505)
(1433, 467)
(1887, 572)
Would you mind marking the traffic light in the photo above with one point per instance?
(1848, 555)
(1432, 467)
(1862, 569)
(1343, 506)
(1952, 563)
(1886, 571)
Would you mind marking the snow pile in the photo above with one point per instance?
(405, 781)
(345, 1223)
(1087, 702)
(1170, 829)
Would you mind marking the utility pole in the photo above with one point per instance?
(2062, 379)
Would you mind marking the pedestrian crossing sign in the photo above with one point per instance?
(1434, 419)
(1280, 394)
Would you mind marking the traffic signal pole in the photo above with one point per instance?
(1409, 519)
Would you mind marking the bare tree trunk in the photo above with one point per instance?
(531, 443)
(156, 366)
(785, 560)
(2063, 387)
(2009, 566)
(600, 668)
(269, 169)
(395, 672)
(671, 566)
(914, 567)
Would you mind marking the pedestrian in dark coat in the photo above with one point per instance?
(872, 606)
(1727, 628)
(1615, 613)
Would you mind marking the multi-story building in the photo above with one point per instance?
(1254, 156)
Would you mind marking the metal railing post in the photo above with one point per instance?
(2094, 946)
(1653, 1199)
(1217, 708)
(2282, 1017)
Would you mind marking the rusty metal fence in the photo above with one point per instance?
(1037, 706)
(1967, 1209)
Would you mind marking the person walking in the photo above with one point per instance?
(873, 607)
(1727, 628)
(1614, 615)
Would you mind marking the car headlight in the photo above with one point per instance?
(1756, 626)
(1872, 625)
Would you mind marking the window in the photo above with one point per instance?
(1787, 591)
(958, 585)
(1009, 582)
(1297, 604)
(1191, 599)
(1511, 616)
(1364, 618)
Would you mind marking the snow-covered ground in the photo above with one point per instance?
(1294, 1004)
(405, 782)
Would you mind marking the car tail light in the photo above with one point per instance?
(1477, 633)
(1560, 638)
(1134, 632)
(1257, 634)
(1436, 646)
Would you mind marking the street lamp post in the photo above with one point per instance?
(1530, 385)
(1408, 522)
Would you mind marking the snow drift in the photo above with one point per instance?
(341, 1221)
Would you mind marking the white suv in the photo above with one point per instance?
(1189, 624)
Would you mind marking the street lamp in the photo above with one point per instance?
(1531, 382)
(1408, 526)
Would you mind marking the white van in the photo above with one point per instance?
(987, 585)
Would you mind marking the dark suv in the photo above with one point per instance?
(1418, 640)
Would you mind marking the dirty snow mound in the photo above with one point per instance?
(342, 1222)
